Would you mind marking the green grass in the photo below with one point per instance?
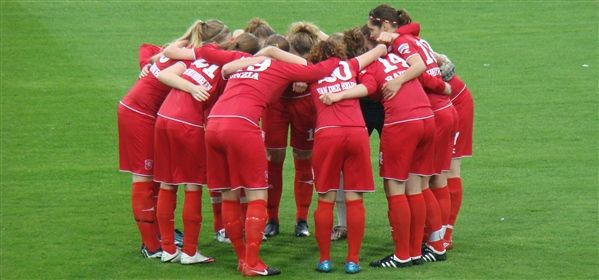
(65, 210)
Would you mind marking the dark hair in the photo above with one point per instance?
(366, 31)
(277, 41)
(302, 37)
(355, 42)
(326, 49)
(260, 28)
(246, 42)
(386, 13)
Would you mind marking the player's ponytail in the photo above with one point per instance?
(195, 28)
(259, 28)
(403, 17)
(354, 41)
(195, 34)
(302, 36)
(277, 41)
(326, 49)
(245, 42)
(212, 30)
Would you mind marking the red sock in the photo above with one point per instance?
(442, 196)
(433, 221)
(355, 228)
(303, 187)
(400, 219)
(455, 192)
(323, 225)
(275, 179)
(167, 202)
(192, 221)
(254, 226)
(155, 191)
(233, 226)
(417, 221)
(216, 198)
(144, 213)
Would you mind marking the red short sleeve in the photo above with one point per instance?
(146, 51)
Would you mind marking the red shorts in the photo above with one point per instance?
(342, 149)
(297, 112)
(463, 136)
(407, 148)
(136, 142)
(236, 155)
(180, 156)
(446, 122)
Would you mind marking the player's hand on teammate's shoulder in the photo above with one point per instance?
(299, 87)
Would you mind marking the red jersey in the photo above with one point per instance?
(409, 44)
(146, 51)
(149, 101)
(250, 90)
(410, 102)
(458, 87)
(181, 106)
(343, 113)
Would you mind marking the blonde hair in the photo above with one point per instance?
(212, 30)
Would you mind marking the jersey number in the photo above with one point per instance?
(427, 50)
(259, 67)
(391, 62)
(207, 68)
(342, 72)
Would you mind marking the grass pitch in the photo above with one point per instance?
(530, 193)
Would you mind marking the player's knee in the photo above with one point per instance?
(276, 155)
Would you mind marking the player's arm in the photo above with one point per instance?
(368, 57)
(239, 64)
(177, 50)
(434, 85)
(310, 73)
(171, 76)
(416, 68)
(281, 55)
(358, 91)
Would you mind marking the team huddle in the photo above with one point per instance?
(214, 108)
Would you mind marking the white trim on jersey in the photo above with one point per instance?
(323, 127)
(464, 88)
(233, 116)
(462, 156)
(395, 179)
(180, 183)
(136, 111)
(137, 174)
(181, 121)
(443, 108)
(360, 191)
(409, 120)
(423, 175)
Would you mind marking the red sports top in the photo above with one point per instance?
(458, 90)
(181, 106)
(343, 113)
(250, 90)
(408, 44)
(410, 102)
(148, 101)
